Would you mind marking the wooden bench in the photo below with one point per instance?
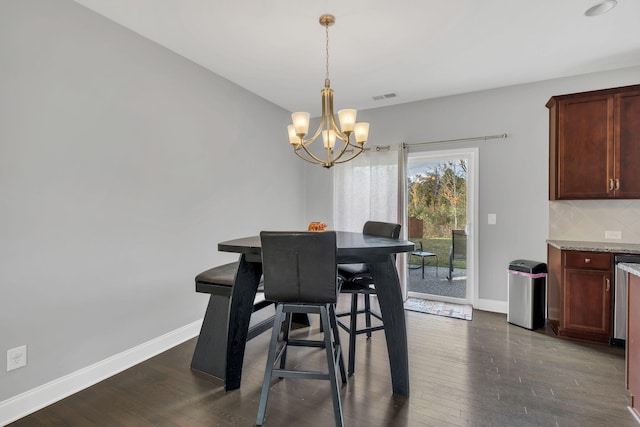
(227, 286)
(219, 281)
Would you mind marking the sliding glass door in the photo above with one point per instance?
(441, 211)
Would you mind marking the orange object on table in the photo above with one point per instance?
(317, 226)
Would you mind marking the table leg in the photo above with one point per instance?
(243, 294)
(220, 348)
(385, 277)
(210, 355)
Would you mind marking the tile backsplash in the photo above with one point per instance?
(587, 220)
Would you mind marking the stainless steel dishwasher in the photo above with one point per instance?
(620, 300)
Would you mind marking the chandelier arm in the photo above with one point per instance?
(357, 146)
(308, 141)
(339, 134)
(342, 151)
(307, 160)
(359, 151)
(331, 118)
(315, 158)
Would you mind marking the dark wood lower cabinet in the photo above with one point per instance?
(579, 304)
(588, 303)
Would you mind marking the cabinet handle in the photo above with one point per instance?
(611, 184)
(608, 285)
(617, 184)
(587, 260)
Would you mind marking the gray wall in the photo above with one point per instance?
(121, 167)
(513, 171)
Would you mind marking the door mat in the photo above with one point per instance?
(458, 311)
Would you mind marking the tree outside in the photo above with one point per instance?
(438, 197)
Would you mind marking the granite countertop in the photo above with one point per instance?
(630, 268)
(574, 245)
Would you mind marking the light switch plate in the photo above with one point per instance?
(615, 235)
(491, 219)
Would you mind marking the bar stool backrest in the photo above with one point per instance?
(299, 266)
(381, 229)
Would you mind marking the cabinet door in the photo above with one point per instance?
(587, 301)
(627, 145)
(585, 148)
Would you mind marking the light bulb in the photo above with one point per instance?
(347, 119)
(300, 122)
(361, 132)
(329, 138)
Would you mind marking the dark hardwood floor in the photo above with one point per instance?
(485, 372)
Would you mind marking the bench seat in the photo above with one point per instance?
(219, 281)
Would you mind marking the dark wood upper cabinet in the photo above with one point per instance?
(594, 144)
(627, 143)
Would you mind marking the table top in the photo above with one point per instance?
(349, 244)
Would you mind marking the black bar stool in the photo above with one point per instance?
(300, 276)
(358, 281)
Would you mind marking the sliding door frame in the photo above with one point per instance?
(472, 155)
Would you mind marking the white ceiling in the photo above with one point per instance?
(418, 49)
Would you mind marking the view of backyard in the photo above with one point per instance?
(439, 246)
(437, 205)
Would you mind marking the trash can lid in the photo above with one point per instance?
(528, 266)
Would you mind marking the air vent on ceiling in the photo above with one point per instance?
(385, 96)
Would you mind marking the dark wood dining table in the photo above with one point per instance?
(377, 252)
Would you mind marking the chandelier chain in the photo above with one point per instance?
(326, 29)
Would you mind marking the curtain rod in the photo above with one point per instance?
(375, 147)
(475, 138)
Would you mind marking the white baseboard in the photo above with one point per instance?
(495, 306)
(30, 401)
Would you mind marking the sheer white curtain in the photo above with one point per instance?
(366, 188)
(371, 188)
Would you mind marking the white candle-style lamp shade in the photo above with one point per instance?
(329, 138)
(300, 122)
(347, 119)
(361, 132)
(293, 138)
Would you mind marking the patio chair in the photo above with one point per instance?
(458, 249)
(423, 254)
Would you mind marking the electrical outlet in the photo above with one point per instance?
(16, 358)
(617, 235)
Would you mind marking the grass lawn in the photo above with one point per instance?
(439, 246)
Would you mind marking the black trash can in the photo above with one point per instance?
(526, 293)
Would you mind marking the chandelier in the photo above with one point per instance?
(328, 127)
